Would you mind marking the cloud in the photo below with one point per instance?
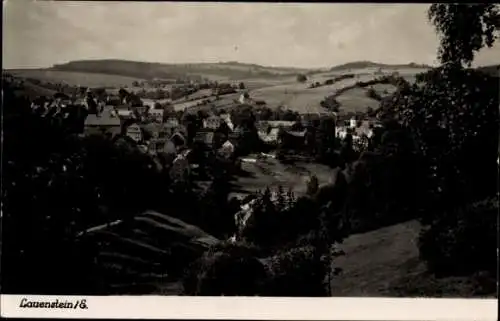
(308, 35)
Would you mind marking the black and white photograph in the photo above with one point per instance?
(250, 149)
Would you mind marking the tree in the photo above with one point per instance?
(312, 185)
(451, 118)
(464, 29)
(227, 269)
(301, 78)
(241, 86)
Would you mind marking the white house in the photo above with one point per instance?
(124, 113)
(227, 119)
(212, 122)
(269, 137)
(352, 122)
(156, 114)
(227, 149)
(244, 97)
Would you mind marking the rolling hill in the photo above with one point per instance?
(147, 70)
(75, 78)
(371, 64)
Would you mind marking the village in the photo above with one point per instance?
(287, 152)
(155, 128)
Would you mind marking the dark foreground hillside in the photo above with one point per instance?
(385, 262)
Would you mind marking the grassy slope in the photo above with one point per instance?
(271, 173)
(232, 70)
(299, 97)
(135, 259)
(385, 263)
(375, 65)
(275, 85)
(75, 78)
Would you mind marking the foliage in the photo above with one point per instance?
(463, 241)
(227, 269)
(451, 117)
(301, 78)
(464, 29)
(372, 93)
(312, 185)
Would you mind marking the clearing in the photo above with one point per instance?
(271, 173)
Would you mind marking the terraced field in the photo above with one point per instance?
(298, 97)
(147, 255)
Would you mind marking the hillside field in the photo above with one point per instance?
(298, 97)
(385, 263)
(277, 86)
(74, 78)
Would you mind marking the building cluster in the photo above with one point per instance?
(161, 134)
(157, 131)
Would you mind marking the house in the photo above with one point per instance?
(206, 137)
(223, 89)
(178, 140)
(180, 169)
(276, 123)
(142, 148)
(134, 131)
(341, 132)
(141, 110)
(171, 124)
(156, 114)
(227, 149)
(353, 122)
(151, 130)
(237, 133)
(164, 147)
(244, 98)
(364, 130)
(156, 146)
(105, 123)
(227, 118)
(124, 113)
(270, 136)
(295, 139)
(212, 122)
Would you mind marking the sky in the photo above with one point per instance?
(40, 34)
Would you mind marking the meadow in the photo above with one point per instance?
(275, 86)
(74, 78)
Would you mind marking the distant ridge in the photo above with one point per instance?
(149, 70)
(492, 70)
(371, 64)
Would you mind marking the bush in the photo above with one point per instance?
(228, 269)
(372, 93)
(298, 272)
(301, 78)
(462, 241)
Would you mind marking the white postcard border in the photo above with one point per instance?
(248, 308)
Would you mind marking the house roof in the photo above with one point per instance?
(205, 136)
(297, 133)
(273, 133)
(104, 119)
(277, 123)
(152, 128)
